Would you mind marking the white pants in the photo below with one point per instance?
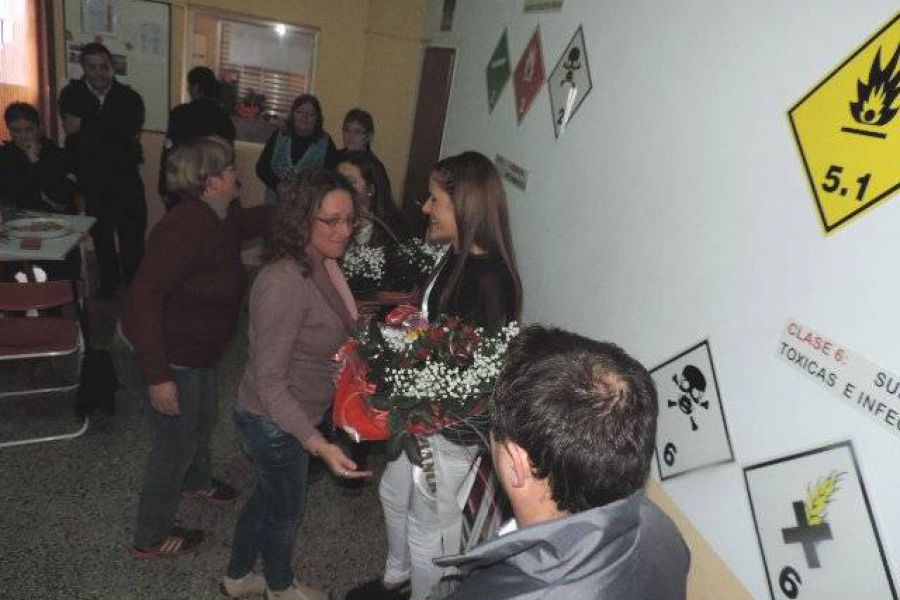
(422, 526)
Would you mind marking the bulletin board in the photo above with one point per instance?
(137, 33)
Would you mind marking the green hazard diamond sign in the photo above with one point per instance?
(498, 71)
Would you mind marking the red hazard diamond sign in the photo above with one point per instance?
(529, 76)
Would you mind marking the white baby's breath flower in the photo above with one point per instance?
(365, 262)
(423, 256)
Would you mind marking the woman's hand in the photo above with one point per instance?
(164, 398)
(340, 464)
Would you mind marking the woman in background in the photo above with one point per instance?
(374, 193)
(202, 116)
(479, 281)
(356, 135)
(300, 144)
(301, 311)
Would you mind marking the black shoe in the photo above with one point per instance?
(375, 589)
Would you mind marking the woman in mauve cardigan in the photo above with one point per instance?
(181, 311)
(301, 311)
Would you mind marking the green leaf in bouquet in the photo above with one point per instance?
(396, 444)
(379, 402)
(396, 421)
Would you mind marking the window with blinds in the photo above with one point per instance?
(263, 66)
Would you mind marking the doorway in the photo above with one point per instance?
(428, 131)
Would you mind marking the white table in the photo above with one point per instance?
(53, 248)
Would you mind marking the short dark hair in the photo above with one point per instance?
(21, 110)
(205, 80)
(583, 410)
(300, 101)
(364, 118)
(94, 48)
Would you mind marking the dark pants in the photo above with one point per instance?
(179, 456)
(269, 521)
(121, 211)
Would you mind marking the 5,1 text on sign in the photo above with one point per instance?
(848, 130)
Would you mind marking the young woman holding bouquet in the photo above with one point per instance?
(478, 281)
(301, 310)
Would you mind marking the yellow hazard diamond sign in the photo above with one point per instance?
(848, 130)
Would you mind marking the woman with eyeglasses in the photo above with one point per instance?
(180, 312)
(356, 135)
(300, 144)
(301, 311)
(478, 281)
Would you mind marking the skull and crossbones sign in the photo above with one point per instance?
(692, 385)
(572, 64)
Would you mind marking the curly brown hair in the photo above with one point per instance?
(299, 198)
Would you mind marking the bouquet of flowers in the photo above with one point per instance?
(363, 267)
(419, 378)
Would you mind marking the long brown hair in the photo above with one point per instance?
(482, 216)
(382, 205)
(299, 198)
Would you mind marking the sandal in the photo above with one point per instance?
(218, 493)
(179, 541)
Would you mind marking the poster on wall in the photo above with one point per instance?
(691, 432)
(511, 172)
(846, 130)
(498, 71)
(447, 15)
(815, 527)
(569, 82)
(98, 17)
(140, 47)
(529, 75)
(845, 374)
(542, 6)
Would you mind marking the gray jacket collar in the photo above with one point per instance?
(587, 539)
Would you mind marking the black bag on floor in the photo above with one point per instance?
(98, 383)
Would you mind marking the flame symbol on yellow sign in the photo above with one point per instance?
(875, 98)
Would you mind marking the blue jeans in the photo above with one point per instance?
(268, 523)
(179, 456)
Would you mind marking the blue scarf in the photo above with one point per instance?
(281, 160)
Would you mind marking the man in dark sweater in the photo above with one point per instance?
(103, 120)
(572, 435)
(200, 117)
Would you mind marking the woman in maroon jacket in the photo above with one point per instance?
(181, 311)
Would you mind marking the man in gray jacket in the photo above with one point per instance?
(572, 434)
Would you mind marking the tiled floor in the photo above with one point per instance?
(67, 508)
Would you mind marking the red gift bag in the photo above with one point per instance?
(351, 410)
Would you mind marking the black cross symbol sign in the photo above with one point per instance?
(806, 534)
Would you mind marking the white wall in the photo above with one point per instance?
(675, 207)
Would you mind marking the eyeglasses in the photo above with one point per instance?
(335, 222)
